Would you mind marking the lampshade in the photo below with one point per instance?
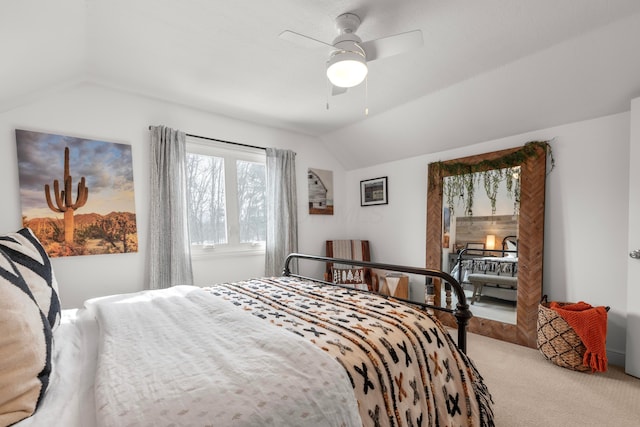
(491, 241)
(346, 68)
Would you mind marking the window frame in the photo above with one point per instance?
(231, 154)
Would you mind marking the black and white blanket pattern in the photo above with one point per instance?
(403, 366)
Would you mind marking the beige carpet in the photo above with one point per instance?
(528, 390)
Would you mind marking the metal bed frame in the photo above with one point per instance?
(482, 279)
(461, 312)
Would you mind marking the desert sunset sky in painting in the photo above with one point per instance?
(106, 167)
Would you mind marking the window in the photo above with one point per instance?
(226, 188)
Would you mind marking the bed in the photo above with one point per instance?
(494, 269)
(499, 273)
(281, 351)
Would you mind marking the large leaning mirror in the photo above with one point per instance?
(477, 236)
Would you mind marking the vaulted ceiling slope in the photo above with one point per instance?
(487, 69)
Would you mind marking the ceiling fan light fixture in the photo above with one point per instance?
(346, 68)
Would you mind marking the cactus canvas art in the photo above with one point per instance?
(77, 193)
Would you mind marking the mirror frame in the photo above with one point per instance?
(530, 243)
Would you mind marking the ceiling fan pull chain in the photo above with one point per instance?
(327, 92)
(366, 96)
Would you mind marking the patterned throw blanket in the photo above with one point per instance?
(403, 366)
(505, 266)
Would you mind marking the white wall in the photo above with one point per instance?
(96, 112)
(585, 222)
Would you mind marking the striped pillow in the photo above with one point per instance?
(25, 346)
(34, 265)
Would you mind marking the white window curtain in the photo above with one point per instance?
(169, 246)
(282, 211)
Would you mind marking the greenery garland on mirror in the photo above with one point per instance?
(462, 178)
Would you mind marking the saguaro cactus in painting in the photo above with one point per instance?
(64, 200)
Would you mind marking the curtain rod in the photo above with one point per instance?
(226, 142)
(223, 141)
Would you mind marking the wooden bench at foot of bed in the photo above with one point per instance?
(479, 281)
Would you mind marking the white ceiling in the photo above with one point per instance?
(488, 68)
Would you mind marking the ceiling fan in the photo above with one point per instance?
(347, 62)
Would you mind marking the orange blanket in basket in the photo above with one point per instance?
(590, 323)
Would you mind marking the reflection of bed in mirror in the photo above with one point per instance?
(490, 280)
(491, 237)
(489, 272)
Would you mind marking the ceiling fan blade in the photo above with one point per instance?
(336, 90)
(392, 45)
(302, 40)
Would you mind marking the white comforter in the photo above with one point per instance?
(180, 343)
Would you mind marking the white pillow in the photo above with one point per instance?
(511, 246)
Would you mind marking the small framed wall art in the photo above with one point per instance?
(374, 192)
(320, 191)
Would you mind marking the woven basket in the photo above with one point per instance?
(557, 341)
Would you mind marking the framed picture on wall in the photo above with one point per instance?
(320, 184)
(77, 193)
(374, 192)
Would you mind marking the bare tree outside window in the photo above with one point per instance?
(206, 198)
(252, 215)
(226, 198)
